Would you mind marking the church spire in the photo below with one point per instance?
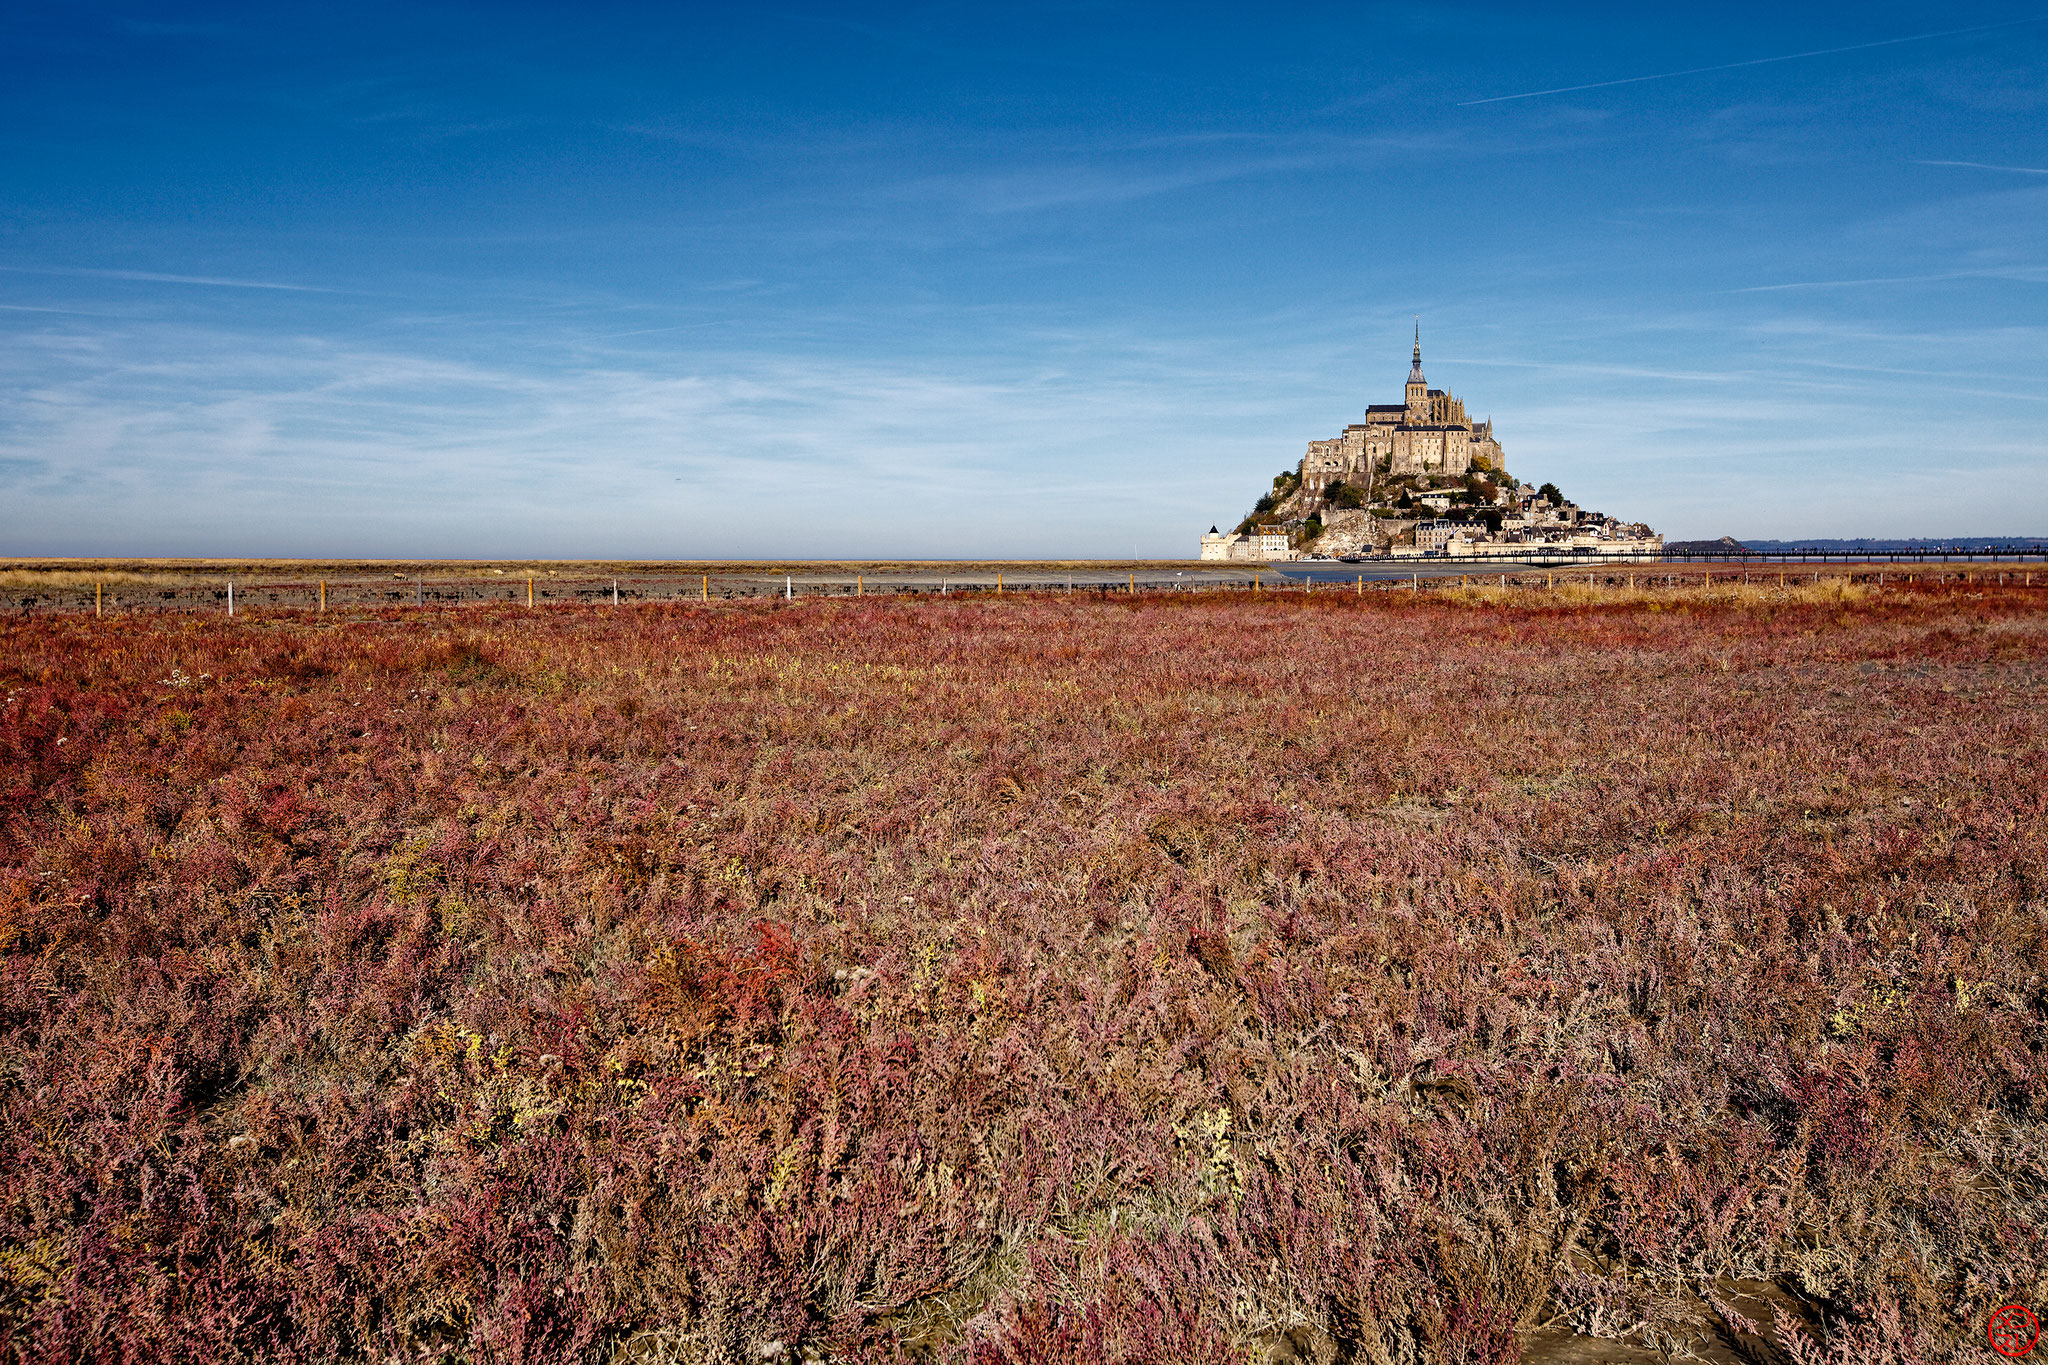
(1415, 371)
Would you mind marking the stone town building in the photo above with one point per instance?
(1260, 542)
(1426, 433)
(1434, 535)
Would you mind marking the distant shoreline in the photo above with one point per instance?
(1915, 543)
(418, 567)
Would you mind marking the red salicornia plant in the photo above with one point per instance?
(1026, 981)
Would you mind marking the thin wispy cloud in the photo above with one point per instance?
(1628, 371)
(2027, 274)
(1982, 166)
(36, 308)
(211, 431)
(1753, 61)
(1055, 187)
(155, 277)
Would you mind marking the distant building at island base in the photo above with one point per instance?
(1261, 542)
(1418, 477)
(1461, 544)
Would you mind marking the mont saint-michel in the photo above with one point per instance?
(1417, 477)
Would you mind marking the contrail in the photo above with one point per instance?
(152, 277)
(2020, 272)
(1980, 166)
(1754, 61)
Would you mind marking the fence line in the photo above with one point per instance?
(240, 595)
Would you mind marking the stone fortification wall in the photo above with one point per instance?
(1345, 457)
(1323, 465)
(1432, 450)
(1353, 531)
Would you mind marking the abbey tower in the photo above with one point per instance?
(1418, 387)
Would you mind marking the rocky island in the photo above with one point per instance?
(1418, 477)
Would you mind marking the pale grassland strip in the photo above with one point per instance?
(121, 587)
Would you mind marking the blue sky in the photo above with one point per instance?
(962, 280)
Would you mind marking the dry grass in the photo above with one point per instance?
(51, 580)
(1168, 978)
(1727, 592)
(32, 573)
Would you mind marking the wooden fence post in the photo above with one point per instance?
(529, 592)
(615, 592)
(323, 594)
(97, 589)
(999, 582)
(860, 587)
(231, 597)
(707, 587)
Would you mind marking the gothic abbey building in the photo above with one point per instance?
(1426, 433)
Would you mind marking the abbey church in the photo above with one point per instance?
(1426, 433)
